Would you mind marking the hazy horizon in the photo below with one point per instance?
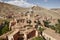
(28, 3)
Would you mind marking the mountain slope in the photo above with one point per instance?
(56, 10)
(6, 9)
(46, 12)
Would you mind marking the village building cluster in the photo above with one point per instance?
(24, 26)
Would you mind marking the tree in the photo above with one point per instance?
(46, 23)
(5, 28)
(41, 30)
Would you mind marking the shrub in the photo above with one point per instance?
(5, 28)
(46, 23)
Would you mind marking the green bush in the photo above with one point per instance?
(5, 28)
(52, 27)
(57, 26)
(46, 23)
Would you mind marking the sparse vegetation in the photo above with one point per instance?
(47, 22)
(57, 26)
(38, 38)
(2, 39)
(52, 27)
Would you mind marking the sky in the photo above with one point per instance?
(29, 3)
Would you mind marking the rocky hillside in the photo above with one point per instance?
(56, 10)
(6, 9)
(45, 12)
